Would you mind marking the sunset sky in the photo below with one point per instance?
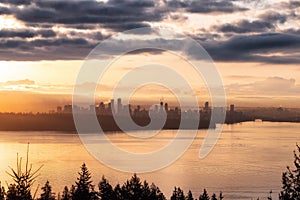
(255, 45)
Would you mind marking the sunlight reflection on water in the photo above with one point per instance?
(246, 163)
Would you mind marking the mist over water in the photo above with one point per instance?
(246, 163)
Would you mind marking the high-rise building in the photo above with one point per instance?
(206, 105)
(232, 108)
(166, 107)
(161, 106)
(119, 105)
(112, 104)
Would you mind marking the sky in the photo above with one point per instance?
(255, 45)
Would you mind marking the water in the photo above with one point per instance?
(246, 163)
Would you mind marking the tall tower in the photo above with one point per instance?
(119, 105)
(232, 108)
(206, 106)
(166, 107)
(112, 104)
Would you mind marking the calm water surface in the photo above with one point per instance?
(246, 163)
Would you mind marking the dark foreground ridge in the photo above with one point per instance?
(65, 122)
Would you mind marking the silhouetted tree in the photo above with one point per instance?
(118, 192)
(146, 191)
(132, 189)
(270, 195)
(24, 180)
(47, 193)
(204, 196)
(178, 194)
(106, 191)
(291, 180)
(84, 190)
(214, 197)
(155, 193)
(66, 194)
(2, 192)
(12, 193)
(221, 196)
(151, 192)
(72, 191)
(189, 196)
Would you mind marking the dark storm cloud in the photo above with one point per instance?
(59, 42)
(16, 33)
(45, 49)
(113, 14)
(46, 33)
(17, 2)
(245, 26)
(26, 33)
(5, 11)
(254, 48)
(272, 16)
(88, 18)
(206, 6)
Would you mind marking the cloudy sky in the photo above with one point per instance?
(255, 45)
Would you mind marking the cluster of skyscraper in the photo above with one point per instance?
(119, 109)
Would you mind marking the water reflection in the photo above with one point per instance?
(247, 161)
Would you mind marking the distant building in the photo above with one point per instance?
(68, 109)
(166, 107)
(92, 108)
(112, 104)
(59, 109)
(232, 108)
(119, 105)
(206, 106)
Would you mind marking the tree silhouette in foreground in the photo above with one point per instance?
(178, 194)
(132, 189)
(66, 195)
(47, 192)
(106, 191)
(23, 180)
(204, 196)
(291, 180)
(189, 196)
(2, 192)
(84, 190)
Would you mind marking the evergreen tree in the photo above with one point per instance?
(132, 189)
(12, 193)
(204, 196)
(155, 193)
(106, 191)
(221, 196)
(66, 194)
(47, 192)
(189, 196)
(2, 192)
(291, 180)
(23, 180)
(214, 197)
(146, 192)
(84, 190)
(177, 194)
(118, 192)
(270, 196)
